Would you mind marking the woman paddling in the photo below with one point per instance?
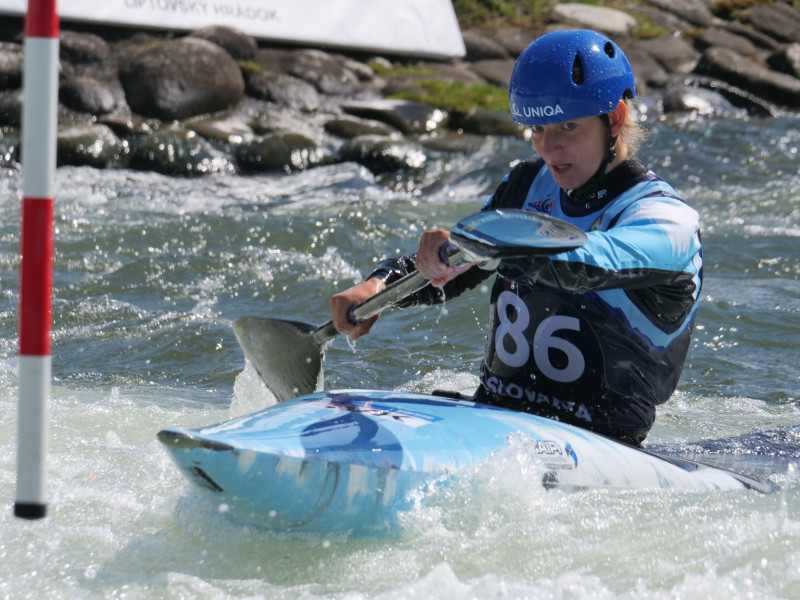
(597, 336)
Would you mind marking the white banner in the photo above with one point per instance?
(425, 28)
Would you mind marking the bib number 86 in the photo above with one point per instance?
(544, 339)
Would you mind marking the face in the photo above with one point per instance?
(572, 150)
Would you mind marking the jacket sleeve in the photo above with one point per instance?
(653, 252)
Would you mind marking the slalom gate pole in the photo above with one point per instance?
(39, 127)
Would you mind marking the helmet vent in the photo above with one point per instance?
(609, 49)
(577, 70)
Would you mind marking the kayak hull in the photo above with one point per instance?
(352, 460)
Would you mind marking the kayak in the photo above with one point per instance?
(353, 460)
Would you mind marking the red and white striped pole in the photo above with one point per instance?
(39, 125)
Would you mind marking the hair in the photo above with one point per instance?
(632, 134)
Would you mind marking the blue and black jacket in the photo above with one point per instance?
(596, 336)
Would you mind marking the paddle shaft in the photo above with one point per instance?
(386, 298)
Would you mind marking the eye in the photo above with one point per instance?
(537, 128)
(569, 125)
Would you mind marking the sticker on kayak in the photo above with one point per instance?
(411, 418)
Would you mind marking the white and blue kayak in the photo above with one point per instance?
(353, 459)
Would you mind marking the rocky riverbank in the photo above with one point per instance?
(217, 100)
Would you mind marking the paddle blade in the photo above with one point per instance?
(285, 354)
(511, 233)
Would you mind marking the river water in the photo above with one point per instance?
(150, 272)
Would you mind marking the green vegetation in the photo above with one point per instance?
(458, 97)
(495, 14)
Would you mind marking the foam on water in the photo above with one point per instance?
(151, 271)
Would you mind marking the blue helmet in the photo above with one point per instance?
(567, 75)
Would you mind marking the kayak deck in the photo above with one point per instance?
(352, 459)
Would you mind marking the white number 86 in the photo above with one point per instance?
(543, 340)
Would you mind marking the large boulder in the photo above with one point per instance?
(606, 20)
(675, 54)
(174, 150)
(326, 72)
(78, 48)
(738, 70)
(94, 145)
(778, 20)
(238, 44)
(283, 89)
(406, 115)
(181, 78)
(87, 95)
(695, 12)
(786, 60)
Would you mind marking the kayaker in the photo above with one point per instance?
(596, 337)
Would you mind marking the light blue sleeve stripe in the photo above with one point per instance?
(658, 233)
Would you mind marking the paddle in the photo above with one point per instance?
(288, 354)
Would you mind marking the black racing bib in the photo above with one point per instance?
(542, 354)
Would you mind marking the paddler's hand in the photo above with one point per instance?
(343, 302)
(429, 261)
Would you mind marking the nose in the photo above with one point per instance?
(546, 142)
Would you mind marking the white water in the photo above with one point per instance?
(150, 274)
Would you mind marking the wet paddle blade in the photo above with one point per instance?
(510, 233)
(285, 353)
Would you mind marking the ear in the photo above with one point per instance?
(616, 118)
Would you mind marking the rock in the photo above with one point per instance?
(227, 130)
(323, 71)
(777, 20)
(664, 18)
(181, 78)
(479, 47)
(11, 65)
(280, 152)
(87, 95)
(698, 100)
(724, 38)
(349, 127)
(759, 39)
(238, 44)
(497, 72)
(610, 21)
(283, 89)
(738, 97)
(460, 72)
(695, 12)
(725, 64)
(648, 71)
(487, 122)
(78, 48)
(90, 145)
(174, 150)
(786, 60)
(452, 141)
(675, 54)
(405, 115)
(125, 126)
(383, 155)
(515, 39)
(281, 120)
